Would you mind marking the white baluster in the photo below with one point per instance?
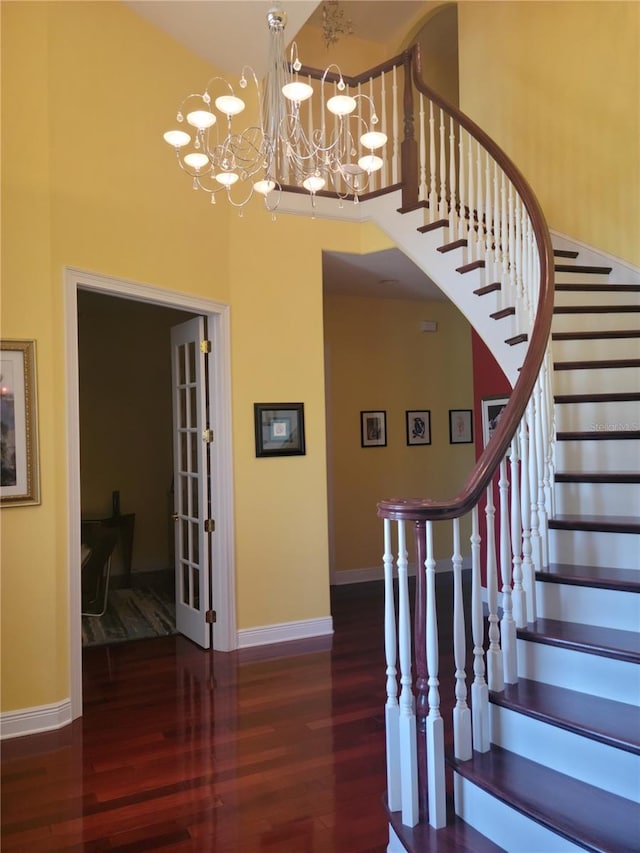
(470, 213)
(442, 201)
(519, 597)
(479, 215)
(528, 577)
(541, 456)
(434, 726)
(395, 159)
(408, 744)
(433, 194)
(504, 232)
(422, 190)
(507, 625)
(536, 546)
(383, 126)
(463, 188)
(461, 712)
(494, 656)
(392, 709)
(453, 211)
(551, 434)
(479, 689)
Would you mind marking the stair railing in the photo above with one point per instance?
(443, 163)
(469, 186)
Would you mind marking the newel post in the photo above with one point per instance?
(409, 148)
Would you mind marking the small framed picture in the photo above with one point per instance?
(418, 426)
(492, 408)
(20, 479)
(373, 429)
(279, 429)
(460, 426)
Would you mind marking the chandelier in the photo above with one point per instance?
(283, 149)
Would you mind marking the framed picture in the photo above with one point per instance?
(460, 426)
(19, 478)
(279, 429)
(418, 426)
(492, 408)
(373, 429)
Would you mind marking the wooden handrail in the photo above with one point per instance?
(419, 509)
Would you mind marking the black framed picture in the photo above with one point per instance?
(460, 426)
(492, 408)
(373, 428)
(279, 429)
(418, 426)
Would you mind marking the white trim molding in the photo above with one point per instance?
(283, 632)
(32, 721)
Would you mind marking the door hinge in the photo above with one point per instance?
(210, 617)
(209, 525)
(205, 346)
(207, 435)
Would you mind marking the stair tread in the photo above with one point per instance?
(591, 639)
(599, 435)
(614, 723)
(596, 309)
(612, 397)
(599, 334)
(601, 577)
(601, 364)
(598, 288)
(588, 815)
(456, 837)
(597, 476)
(612, 523)
(583, 268)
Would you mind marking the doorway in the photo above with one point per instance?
(79, 285)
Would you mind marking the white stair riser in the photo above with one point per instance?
(609, 321)
(596, 297)
(506, 827)
(604, 416)
(580, 349)
(581, 278)
(597, 675)
(597, 498)
(582, 758)
(595, 455)
(595, 548)
(606, 608)
(597, 381)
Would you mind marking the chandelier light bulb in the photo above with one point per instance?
(177, 138)
(313, 183)
(373, 139)
(297, 91)
(341, 105)
(196, 161)
(229, 105)
(370, 163)
(264, 187)
(227, 179)
(201, 119)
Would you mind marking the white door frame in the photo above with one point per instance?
(223, 582)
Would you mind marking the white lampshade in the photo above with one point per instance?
(297, 91)
(196, 161)
(341, 105)
(226, 178)
(370, 163)
(313, 183)
(373, 139)
(264, 187)
(177, 138)
(201, 119)
(229, 105)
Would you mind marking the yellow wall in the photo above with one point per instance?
(557, 85)
(87, 90)
(378, 358)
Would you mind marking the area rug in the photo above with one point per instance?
(131, 614)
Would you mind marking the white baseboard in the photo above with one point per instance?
(377, 573)
(32, 721)
(284, 632)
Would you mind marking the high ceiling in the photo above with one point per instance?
(230, 33)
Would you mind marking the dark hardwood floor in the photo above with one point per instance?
(278, 748)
